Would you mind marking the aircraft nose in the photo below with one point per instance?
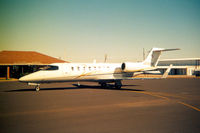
(24, 79)
(33, 77)
(28, 78)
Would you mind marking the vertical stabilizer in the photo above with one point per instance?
(154, 55)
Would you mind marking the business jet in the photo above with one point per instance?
(103, 73)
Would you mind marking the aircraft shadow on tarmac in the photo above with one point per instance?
(110, 87)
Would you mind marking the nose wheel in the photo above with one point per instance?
(37, 88)
(103, 85)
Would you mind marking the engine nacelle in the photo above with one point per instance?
(131, 67)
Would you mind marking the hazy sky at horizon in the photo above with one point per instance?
(83, 30)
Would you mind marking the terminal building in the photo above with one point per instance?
(183, 66)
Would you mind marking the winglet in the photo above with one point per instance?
(167, 71)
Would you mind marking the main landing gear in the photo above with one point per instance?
(117, 84)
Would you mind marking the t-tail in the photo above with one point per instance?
(154, 55)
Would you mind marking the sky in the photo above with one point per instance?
(84, 30)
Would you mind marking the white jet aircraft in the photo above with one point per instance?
(103, 73)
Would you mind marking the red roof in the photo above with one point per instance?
(26, 58)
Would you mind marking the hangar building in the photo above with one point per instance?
(14, 64)
(183, 66)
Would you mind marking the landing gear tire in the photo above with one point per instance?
(118, 85)
(37, 88)
(103, 85)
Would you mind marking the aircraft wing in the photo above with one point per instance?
(163, 76)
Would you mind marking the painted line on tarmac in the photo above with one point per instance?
(166, 98)
(190, 106)
(171, 95)
(155, 95)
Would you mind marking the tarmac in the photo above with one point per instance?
(140, 106)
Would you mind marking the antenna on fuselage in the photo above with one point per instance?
(105, 58)
(143, 54)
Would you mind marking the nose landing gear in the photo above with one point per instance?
(37, 88)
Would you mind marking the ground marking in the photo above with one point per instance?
(166, 98)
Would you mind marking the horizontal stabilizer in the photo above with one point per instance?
(168, 49)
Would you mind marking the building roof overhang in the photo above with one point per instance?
(27, 58)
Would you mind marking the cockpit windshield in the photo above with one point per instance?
(50, 67)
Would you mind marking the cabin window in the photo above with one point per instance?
(89, 68)
(50, 67)
(72, 68)
(99, 67)
(78, 68)
(84, 68)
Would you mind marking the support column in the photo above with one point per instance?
(22, 70)
(8, 73)
(187, 71)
